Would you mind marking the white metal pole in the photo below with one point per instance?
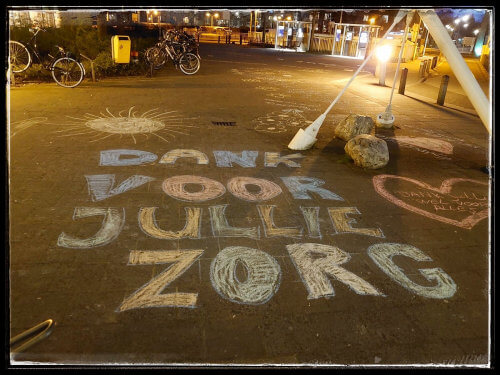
(334, 39)
(458, 66)
(304, 139)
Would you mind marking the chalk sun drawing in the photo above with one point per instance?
(151, 122)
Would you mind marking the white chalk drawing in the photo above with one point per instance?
(221, 228)
(270, 229)
(152, 122)
(112, 225)
(176, 188)
(19, 126)
(101, 185)
(280, 121)
(227, 158)
(122, 157)
(192, 228)
(311, 216)
(149, 295)
(342, 224)
(432, 144)
(273, 159)
(172, 156)
(262, 271)
(315, 262)
(301, 187)
(435, 147)
(438, 199)
(382, 255)
(267, 189)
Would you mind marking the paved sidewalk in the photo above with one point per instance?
(164, 221)
(428, 87)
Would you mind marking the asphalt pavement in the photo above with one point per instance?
(164, 220)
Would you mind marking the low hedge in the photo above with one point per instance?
(86, 40)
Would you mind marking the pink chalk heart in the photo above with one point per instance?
(452, 202)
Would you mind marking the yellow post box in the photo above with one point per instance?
(120, 49)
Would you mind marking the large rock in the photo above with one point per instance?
(352, 126)
(368, 151)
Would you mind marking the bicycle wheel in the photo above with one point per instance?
(156, 56)
(67, 72)
(19, 57)
(189, 63)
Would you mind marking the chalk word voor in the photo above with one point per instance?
(316, 264)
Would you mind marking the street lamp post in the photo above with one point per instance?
(383, 54)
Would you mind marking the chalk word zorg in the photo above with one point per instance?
(317, 264)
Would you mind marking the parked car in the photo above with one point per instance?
(214, 30)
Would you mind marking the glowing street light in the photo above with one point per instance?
(383, 54)
(476, 31)
(372, 21)
(457, 21)
(466, 25)
(466, 17)
(289, 18)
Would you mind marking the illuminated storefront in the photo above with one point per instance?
(293, 35)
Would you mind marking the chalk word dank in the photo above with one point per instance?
(223, 159)
(114, 219)
(317, 265)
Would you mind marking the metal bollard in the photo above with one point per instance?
(241, 39)
(442, 89)
(427, 66)
(434, 62)
(421, 71)
(218, 39)
(402, 81)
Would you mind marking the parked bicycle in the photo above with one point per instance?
(66, 71)
(180, 47)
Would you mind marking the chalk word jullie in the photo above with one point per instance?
(317, 264)
(245, 159)
(114, 219)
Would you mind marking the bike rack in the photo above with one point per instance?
(47, 329)
(91, 66)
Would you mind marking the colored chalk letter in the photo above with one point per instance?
(221, 228)
(272, 159)
(112, 224)
(267, 189)
(263, 275)
(382, 255)
(342, 224)
(150, 295)
(315, 262)
(176, 188)
(227, 158)
(270, 229)
(112, 157)
(101, 185)
(300, 186)
(172, 156)
(311, 216)
(191, 229)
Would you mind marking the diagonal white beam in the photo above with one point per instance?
(458, 65)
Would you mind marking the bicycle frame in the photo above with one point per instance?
(32, 48)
